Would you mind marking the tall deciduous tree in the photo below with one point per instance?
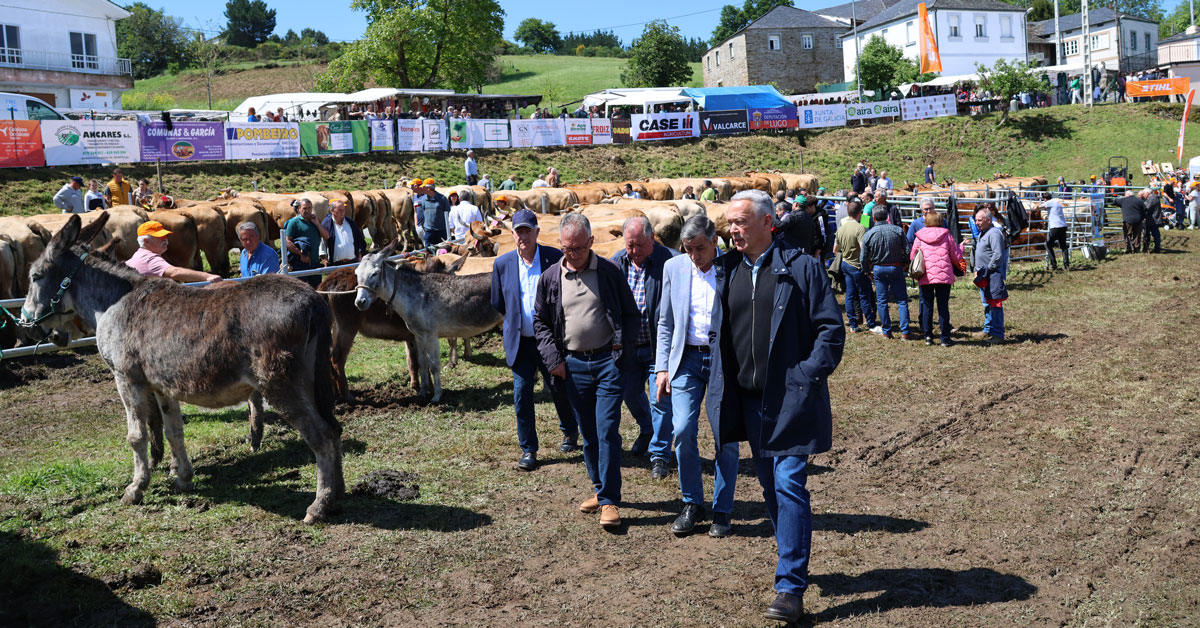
(151, 40)
(538, 35)
(419, 44)
(734, 19)
(1176, 21)
(209, 56)
(250, 22)
(1005, 80)
(658, 58)
(882, 66)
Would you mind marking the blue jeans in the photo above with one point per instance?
(594, 386)
(993, 317)
(889, 282)
(783, 479)
(434, 237)
(687, 393)
(653, 415)
(858, 292)
(525, 370)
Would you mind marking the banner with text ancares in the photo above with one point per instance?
(869, 110)
(90, 142)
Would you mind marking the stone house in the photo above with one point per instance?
(792, 48)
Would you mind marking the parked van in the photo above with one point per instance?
(22, 107)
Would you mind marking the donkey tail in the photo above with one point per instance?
(320, 327)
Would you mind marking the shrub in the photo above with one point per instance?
(142, 101)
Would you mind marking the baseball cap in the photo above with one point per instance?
(76, 180)
(500, 198)
(524, 218)
(1093, 177)
(428, 182)
(415, 182)
(152, 228)
(819, 190)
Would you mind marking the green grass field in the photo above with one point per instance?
(571, 78)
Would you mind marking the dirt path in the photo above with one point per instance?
(1050, 481)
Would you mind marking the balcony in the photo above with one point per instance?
(64, 62)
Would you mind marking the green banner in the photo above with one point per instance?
(335, 138)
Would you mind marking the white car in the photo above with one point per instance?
(22, 107)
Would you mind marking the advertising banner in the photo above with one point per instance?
(90, 142)
(819, 116)
(724, 122)
(470, 133)
(664, 126)
(408, 135)
(185, 141)
(92, 99)
(579, 131)
(383, 135)
(868, 110)
(773, 118)
(1161, 87)
(334, 138)
(435, 135)
(928, 107)
(621, 133)
(20, 144)
(602, 131)
(530, 133)
(262, 140)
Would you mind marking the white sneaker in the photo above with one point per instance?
(878, 329)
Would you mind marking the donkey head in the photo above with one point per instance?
(49, 304)
(370, 275)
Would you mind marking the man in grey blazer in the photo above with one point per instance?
(689, 319)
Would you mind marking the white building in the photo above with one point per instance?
(64, 52)
(1119, 40)
(967, 32)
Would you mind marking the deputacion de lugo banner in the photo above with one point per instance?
(70, 142)
(262, 140)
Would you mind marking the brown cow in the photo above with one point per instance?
(210, 228)
(31, 238)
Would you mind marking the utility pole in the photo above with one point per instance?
(1060, 56)
(1087, 57)
(857, 51)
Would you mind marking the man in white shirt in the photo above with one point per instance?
(345, 243)
(1056, 223)
(472, 168)
(540, 182)
(629, 193)
(485, 182)
(688, 327)
(462, 214)
(884, 181)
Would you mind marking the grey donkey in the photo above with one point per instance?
(433, 305)
(267, 337)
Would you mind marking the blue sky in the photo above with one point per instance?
(625, 17)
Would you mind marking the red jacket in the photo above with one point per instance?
(941, 253)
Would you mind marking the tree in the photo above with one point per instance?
(538, 35)
(879, 64)
(208, 55)
(1005, 80)
(593, 40)
(291, 38)
(250, 22)
(658, 59)
(151, 40)
(447, 43)
(313, 37)
(734, 19)
(1174, 23)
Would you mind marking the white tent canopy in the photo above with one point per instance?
(1069, 68)
(846, 95)
(946, 81)
(641, 97)
(297, 105)
(373, 94)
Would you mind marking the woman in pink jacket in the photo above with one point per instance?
(942, 255)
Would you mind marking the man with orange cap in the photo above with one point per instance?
(148, 260)
(435, 213)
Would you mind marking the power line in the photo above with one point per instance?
(605, 28)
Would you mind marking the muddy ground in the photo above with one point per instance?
(1052, 481)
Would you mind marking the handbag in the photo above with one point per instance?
(835, 266)
(916, 268)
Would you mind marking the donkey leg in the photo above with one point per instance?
(435, 370)
(256, 420)
(453, 361)
(431, 363)
(139, 404)
(413, 363)
(154, 423)
(466, 348)
(181, 466)
(300, 412)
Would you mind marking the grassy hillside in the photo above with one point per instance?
(1071, 141)
(576, 77)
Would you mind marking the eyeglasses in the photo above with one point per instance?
(575, 250)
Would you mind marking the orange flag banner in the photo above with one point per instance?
(931, 59)
(1161, 87)
(1183, 126)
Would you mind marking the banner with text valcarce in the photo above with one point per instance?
(90, 142)
(602, 131)
(664, 126)
(820, 116)
(184, 141)
(383, 135)
(408, 135)
(773, 118)
(869, 110)
(724, 122)
(470, 133)
(579, 131)
(262, 140)
(531, 133)
(339, 137)
(436, 135)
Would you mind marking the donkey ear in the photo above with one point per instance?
(387, 251)
(69, 234)
(89, 233)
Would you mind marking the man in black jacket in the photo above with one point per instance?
(1154, 220)
(1133, 212)
(858, 180)
(584, 317)
(642, 261)
(345, 243)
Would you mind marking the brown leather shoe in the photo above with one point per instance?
(609, 516)
(908, 336)
(590, 505)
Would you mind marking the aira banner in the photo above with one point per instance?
(664, 126)
(184, 141)
(262, 140)
(530, 133)
(868, 110)
(470, 133)
(334, 138)
(90, 142)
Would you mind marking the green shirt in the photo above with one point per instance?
(865, 220)
(709, 194)
(508, 184)
(297, 227)
(849, 241)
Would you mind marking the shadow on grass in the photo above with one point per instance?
(1039, 127)
(35, 590)
(17, 372)
(919, 588)
(823, 522)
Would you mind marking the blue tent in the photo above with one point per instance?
(744, 97)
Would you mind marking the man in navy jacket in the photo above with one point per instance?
(514, 290)
(781, 338)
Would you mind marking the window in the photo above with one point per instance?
(1072, 46)
(980, 27)
(806, 42)
(10, 44)
(1006, 27)
(83, 51)
(708, 62)
(38, 111)
(1147, 42)
(718, 58)
(1100, 42)
(953, 20)
(773, 42)
(730, 50)
(909, 40)
(1133, 40)
(884, 34)
(837, 42)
